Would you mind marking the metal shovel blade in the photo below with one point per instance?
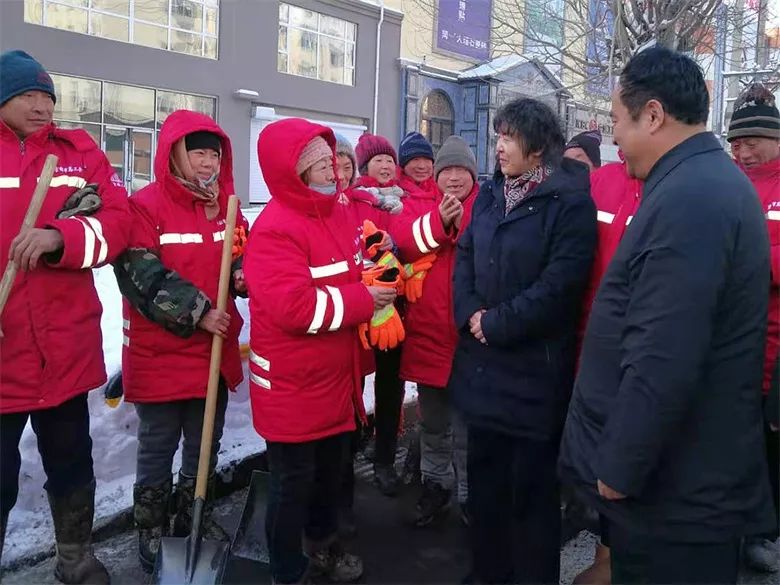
(176, 564)
(250, 541)
(190, 559)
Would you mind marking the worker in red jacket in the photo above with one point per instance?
(378, 182)
(617, 196)
(431, 334)
(303, 267)
(169, 278)
(754, 134)
(51, 345)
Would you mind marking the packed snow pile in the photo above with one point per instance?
(113, 432)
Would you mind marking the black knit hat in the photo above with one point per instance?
(412, 146)
(590, 142)
(755, 115)
(203, 139)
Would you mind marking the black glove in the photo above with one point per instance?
(85, 201)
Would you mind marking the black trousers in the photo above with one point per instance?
(347, 496)
(772, 439)
(63, 443)
(388, 401)
(638, 558)
(514, 506)
(303, 499)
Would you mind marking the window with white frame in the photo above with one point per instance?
(182, 26)
(125, 120)
(316, 45)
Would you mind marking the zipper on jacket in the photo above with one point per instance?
(547, 349)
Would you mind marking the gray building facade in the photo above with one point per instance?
(121, 90)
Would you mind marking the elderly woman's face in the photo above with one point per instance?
(345, 170)
(512, 158)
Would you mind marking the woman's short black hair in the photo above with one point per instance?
(534, 125)
(671, 78)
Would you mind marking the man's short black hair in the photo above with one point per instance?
(671, 78)
(535, 124)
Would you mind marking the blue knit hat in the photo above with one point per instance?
(412, 146)
(19, 73)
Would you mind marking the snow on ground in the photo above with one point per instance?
(113, 433)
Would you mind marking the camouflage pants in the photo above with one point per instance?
(161, 427)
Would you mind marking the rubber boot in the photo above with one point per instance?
(150, 511)
(185, 494)
(73, 516)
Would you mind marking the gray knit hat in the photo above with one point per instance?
(455, 152)
(344, 146)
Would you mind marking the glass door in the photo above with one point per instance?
(130, 152)
(141, 157)
(116, 149)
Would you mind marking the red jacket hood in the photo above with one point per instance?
(177, 126)
(278, 148)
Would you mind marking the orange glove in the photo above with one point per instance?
(415, 275)
(374, 240)
(239, 241)
(363, 335)
(386, 330)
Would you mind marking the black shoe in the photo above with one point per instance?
(433, 504)
(386, 479)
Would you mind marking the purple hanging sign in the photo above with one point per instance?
(463, 28)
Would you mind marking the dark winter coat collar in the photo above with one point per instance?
(693, 146)
(570, 176)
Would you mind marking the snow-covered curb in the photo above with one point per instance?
(30, 532)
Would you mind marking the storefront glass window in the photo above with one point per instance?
(122, 119)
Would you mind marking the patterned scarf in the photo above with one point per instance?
(516, 189)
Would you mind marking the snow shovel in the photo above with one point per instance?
(192, 559)
(250, 542)
(49, 166)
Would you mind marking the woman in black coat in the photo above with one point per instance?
(521, 269)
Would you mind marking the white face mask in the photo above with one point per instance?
(324, 189)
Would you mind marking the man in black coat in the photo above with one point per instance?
(521, 268)
(664, 428)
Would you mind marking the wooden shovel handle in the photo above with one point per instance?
(207, 435)
(49, 166)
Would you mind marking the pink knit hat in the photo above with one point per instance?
(371, 145)
(314, 151)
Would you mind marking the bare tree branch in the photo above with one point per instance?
(588, 49)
